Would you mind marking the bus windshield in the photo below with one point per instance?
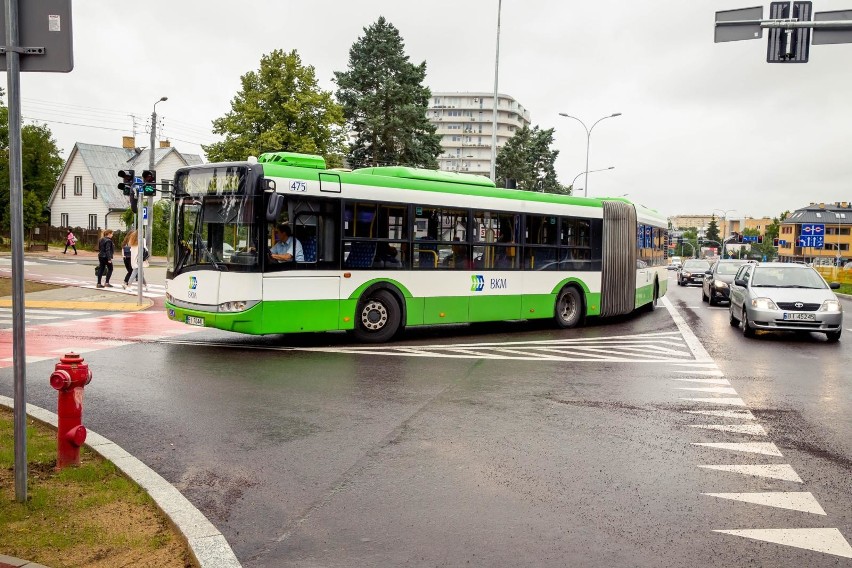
(215, 232)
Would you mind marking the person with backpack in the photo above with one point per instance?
(106, 250)
(135, 245)
(70, 241)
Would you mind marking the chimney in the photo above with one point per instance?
(165, 144)
(822, 205)
(128, 142)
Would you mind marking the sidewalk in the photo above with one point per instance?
(70, 297)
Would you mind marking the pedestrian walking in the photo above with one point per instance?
(135, 246)
(70, 241)
(125, 254)
(106, 250)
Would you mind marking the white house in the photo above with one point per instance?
(86, 193)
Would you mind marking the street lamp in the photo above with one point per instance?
(590, 171)
(140, 232)
(496, 96)
(588, 139)
(724, 213)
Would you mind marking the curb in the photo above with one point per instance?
(12, 562)
(206, 543)
(81, 305)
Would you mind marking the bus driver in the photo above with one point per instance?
(286, 246)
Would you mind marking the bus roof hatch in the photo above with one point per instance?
(293, 159)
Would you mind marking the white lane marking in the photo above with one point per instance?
(829, 541)
(725, 401)
(739, 414)
(765, 448)
(782, 471)
(717, 390)
(705, 381)
(802, 501)
(51, 312)
(753, 429)
(716, 373)
(691, 340)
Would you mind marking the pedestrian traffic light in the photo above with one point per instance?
(149, 182)
(126, 185)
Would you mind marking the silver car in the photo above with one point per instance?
(777, 296)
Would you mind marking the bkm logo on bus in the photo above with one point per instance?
(193, 282)
(478, 283)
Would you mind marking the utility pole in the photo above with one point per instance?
(494, 118)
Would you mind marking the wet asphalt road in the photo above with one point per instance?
(543, 447)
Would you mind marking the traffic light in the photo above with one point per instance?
(149, 182)
(760, 239)
(126, 185)
(775, 242)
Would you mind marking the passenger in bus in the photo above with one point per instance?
(459, 257)
(287, 248)
(388, 255)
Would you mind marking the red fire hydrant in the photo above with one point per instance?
(69, 377)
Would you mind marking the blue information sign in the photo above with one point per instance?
(812, 235)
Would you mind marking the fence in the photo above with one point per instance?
(41, 235)
(835, 274)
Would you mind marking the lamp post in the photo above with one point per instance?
(143, 206)
(588, 139)
(590, 171)
(494, 118)
(724, 213)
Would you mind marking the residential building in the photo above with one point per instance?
(833, 220)
(758, 224)
(86, 193)
(465, 123)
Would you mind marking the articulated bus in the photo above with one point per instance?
(385, 248)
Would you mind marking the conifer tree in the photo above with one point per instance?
(528, 159)
(385, 102)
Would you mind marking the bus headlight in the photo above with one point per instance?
(237, 305)
(830, 306)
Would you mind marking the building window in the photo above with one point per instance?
(78, 185)
(63, 217)
(63, 191)
(94, 191)
(93, 221)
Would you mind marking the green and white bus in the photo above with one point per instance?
(386, 248)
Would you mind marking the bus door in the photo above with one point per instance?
(304, 294)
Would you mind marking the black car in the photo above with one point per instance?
(692, 271)
(716, 286)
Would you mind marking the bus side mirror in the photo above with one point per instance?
(274, 206)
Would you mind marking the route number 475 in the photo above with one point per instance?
(298, 186)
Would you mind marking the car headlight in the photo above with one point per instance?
(237, 305)
(720, 284)
(831, 306)
(763, 304)
(687, 274)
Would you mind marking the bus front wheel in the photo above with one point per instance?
(378, 317)
(569, 308)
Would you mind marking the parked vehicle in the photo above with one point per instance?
(785, 297)
(715, 287)
(692, 271)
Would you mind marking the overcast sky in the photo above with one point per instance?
(705, 126)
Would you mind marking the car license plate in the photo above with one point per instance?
(192, 320)
(799, 317)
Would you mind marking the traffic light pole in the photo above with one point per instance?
(140, 238)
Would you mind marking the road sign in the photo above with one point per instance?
(44, 35)
(736, 25)
(813, 229)
(824, 36)
(750, 238)
(145, 213)
(811, 241)
(799, 38)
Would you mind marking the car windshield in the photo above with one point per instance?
(728, 268)
(784, 277)
(696, 265)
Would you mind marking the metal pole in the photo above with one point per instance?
(494, 118)
(586, 179)
(16, 184)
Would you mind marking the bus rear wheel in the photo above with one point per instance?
(378, 317)
(569, 308)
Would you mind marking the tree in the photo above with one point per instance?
(690, 236)
(280, 107)
(712, 233)
(385, 102)
(41, 164)
(528, 159)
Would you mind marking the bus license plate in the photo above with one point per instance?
(799, 317)
(192, 320)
